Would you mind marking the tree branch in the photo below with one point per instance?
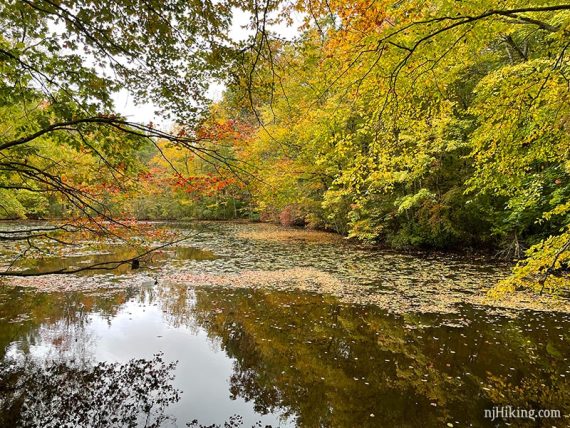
(96, 266)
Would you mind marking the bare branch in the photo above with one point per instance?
(96, 266)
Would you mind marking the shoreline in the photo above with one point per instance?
(435, 294)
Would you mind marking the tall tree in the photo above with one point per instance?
(60, 64)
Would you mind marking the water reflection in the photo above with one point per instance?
(27, 317)
(282, 358)
(86, 255)
(141, 322)
(56, 393)
(337, 365)
(295, 358)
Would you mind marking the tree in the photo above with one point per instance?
(60, 64)
(432, 125)
(374, 122)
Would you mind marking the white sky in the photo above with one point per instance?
(144, 113)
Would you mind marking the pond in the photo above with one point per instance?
(257, 325)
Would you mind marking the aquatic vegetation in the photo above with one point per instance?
(272, 232)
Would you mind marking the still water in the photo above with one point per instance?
(175, 349)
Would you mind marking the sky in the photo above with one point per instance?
(144, 113)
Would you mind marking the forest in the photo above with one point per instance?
(439, 125)
(289, 213)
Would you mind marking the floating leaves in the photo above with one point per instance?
(274, 233)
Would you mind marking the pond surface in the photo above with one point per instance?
(278, 327)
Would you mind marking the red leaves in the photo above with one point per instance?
(228, 131)
(207, 185)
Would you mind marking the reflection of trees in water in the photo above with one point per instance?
(26, 313)
(65, 334)
(329, 364)
(133, 394)
(235, 421)
(176, 302)
(48, 377)
(61, 341)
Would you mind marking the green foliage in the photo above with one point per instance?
(440, 124)
(64, 151)
(437, 125)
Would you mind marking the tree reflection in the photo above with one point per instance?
(133, 394)
(301, 355)
(25, 313)
(327, 364)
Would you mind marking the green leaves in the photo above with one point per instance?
(439, 124)
(443, 124)
(410, 201)
(83, 51)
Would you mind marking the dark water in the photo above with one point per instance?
(275, 357)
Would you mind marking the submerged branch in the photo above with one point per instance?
(106, 266)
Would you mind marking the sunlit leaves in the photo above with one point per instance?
(437, 124)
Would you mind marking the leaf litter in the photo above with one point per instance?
(261, 256)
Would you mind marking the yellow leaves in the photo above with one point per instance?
(523, 128)
(410, 201)
(365, 229)
(378, 122)
(561, 209)
(545, 268)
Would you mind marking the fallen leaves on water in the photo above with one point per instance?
(400, 298)
(64, 283)
(271, 232)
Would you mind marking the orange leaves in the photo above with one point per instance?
(357, 27)
(227, 131)
(206, 185)
(355, 16)
(360, 15)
